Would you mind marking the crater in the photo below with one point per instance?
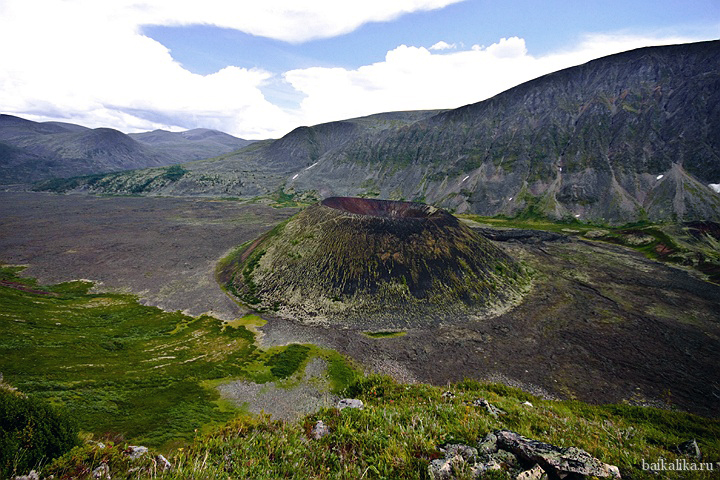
(380, 208)
(376, 265)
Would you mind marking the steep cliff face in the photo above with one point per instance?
(354, 261)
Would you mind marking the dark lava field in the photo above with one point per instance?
(601, 324)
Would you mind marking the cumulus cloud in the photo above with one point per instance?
(413, 78)
(86, 61)
(442, 45)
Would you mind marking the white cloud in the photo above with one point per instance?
(442, 45)
(413, 78)
(287, 20)
(85, 61)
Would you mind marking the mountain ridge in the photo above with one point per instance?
(35, 151)
(628, 137)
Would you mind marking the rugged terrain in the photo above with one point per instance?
(628, 137)
(602, 323)
(33, 151)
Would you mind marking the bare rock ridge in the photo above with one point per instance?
(374, 263)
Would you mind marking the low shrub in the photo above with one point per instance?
(32, 432)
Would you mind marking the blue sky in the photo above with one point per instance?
(259, 70)
(206, 49)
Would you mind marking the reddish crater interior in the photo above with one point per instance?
(377, 208)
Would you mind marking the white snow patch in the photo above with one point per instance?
(465, 178)
(659, 177)
(715, 187)
(308, 168)
(296, 175)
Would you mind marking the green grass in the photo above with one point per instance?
(670, 242)
(385, 334)
(283, 364)
(399, 432)
(126, 369)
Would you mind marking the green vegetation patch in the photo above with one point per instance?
(389, 334)
(126, 369)
(672, 243)
(288, 361)
(401, 428)
(31, 431)
(174, 173)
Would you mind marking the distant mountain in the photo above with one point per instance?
(196, 144)
(32, 151)
(622, 138)
(257, 169)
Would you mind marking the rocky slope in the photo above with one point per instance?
(627, 137)
(32, 151)
(616, 139)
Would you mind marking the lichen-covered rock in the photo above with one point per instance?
(488, 444)
(535, 473)
(520, 457)
(350, 403)
(556, 461)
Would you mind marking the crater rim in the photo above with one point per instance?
(380, 208)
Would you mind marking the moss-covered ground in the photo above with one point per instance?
(131, 371)
(693, 244)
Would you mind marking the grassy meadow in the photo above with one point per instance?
(129, 371)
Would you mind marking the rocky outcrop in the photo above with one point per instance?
(520, 456)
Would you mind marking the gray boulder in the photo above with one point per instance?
(319, 430)
(350, 403)
(557, 462)
(134, 452)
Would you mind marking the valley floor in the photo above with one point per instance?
(602, 323)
